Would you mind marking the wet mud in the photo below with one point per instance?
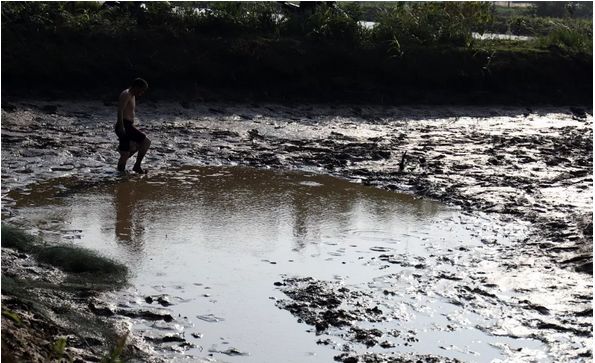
(533, 165)
(518, 167)
(40, 306)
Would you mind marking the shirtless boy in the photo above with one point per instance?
(131, 139)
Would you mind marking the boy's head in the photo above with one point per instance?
(138, 87)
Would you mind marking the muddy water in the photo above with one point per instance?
(215, 243)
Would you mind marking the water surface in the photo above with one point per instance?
(216, 239)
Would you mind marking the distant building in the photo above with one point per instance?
(513, 4)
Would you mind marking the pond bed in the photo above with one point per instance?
(236, 255)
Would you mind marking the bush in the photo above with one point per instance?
(563, 9)
(567, 39)
(533, 26)
(431, 23)
(328, 24)
(252, 49)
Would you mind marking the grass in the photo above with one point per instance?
(512, 11)
(79, 260)
(70, 259)
(16, 239)
(115, 354)
(12, 316)
(58, 350)
(44, 301)
(86, 270)
(566, 40)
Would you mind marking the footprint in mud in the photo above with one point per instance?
(210, 318)
(310, 184)
(380, 249)
(336, 253)
(231, 352)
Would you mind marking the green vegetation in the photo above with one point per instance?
(423, 23)
(58, 350)
(431, 24)
(116, 353)
(560, 25)
(12, 316)
(49, 302)
(416, 52)
(79, 260)
(16, 239)
(568, 40)
(68, 258)
(538, 27)
(562, 9)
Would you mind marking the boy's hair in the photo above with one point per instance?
(140, 83)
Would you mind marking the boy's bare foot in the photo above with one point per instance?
(139, 170)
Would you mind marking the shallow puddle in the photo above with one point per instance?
(214, 241)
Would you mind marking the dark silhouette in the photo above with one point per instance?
(130, 138)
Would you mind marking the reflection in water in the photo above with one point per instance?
(235, 209)
(314, 207)
(257, 205)
(126, 203)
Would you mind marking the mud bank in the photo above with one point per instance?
(49, 296)
(523, 166)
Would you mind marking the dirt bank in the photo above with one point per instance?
(49, 299)
(531, 166)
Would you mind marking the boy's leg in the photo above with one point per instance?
(124, 155)
(142, 150)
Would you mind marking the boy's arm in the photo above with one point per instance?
(122, 102)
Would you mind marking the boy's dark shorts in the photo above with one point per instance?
(131, 134)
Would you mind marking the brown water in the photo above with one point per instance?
(215, 239)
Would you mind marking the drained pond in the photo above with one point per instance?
(269, 233)
(230, 253)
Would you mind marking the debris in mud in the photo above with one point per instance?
(369, 337)
(392, 358)
(101, 309)
(317, 303)
(541, 309)
(151, 315)
(210, 318)
(166, 339)
(162, 300)
(231, 352)
(387, 344)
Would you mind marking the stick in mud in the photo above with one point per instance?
(402, 163)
